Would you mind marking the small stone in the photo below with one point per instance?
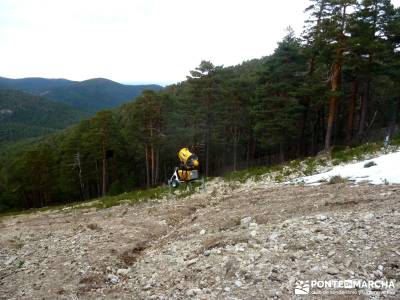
(123, 272)
(332, 271)
(191, 262)
(323, 217)
(245, 222)
(37, 286)
(203, 284)
(369, 216)
(331, 253)
(202, 232)
(238, 283)
(274, 235)
(207, 253)
(227, 289)
(253, 233)
(253, 225)
(147, 287)
(10, 260)
(257, 280)
(348, 262)
(350, 272)
(248, 276)
(112, 278)
(378, 274)
(272, 293)
(380, 268)
(193, 292)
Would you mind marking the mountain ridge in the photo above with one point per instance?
(23, 115)
(89, 95)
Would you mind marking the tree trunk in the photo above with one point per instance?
(98, 181)
(335, 86)
(302, 148)
(248, 152)
(392, 127)
(281, 153)
(352, 109)
(104, 176)
(313, 135)
(152, 161)
(147, 166)
(207, 153)
(234, 155)
(235, 146)
(364, 110)
(157, 166)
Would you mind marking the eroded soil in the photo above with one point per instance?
(251, 241)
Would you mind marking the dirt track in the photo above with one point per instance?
(230, 242)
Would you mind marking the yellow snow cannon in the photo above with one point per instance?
(188, 159)
(188, 169)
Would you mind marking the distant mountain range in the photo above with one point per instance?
(90, 95)
(23, 115)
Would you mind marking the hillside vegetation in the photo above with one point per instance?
(24, 115)
(89, 95)
(333, 87)
(34, 85)
(96, 94)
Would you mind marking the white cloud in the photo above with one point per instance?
(137, 40)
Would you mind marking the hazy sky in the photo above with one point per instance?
(138, 40)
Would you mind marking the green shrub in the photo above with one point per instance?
(396, 140)
(133, 197)
(256, 173)
(311, 166)
(340, 155)
(337, 179)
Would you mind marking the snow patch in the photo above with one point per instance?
(386, 171)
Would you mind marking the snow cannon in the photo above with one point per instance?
(188, 169)
(188, 159)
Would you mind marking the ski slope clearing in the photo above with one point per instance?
(228, 242)
(384, 169)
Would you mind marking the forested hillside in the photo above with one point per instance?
(96, 94)
(24, 115)
(34, 85)
(336, 85)
(90, 95)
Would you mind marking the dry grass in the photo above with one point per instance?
(229, 223)
(89, 283)
(93, 226)
(222, 240)
(129, 257)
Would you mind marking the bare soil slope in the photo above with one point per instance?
(230, 242)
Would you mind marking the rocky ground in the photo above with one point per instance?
(250, 241)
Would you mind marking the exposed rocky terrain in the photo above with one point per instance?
(249, 241)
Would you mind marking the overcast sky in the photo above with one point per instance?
(135, 41)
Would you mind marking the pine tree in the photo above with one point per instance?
(204, 91)
(276, 107)
(149, 124)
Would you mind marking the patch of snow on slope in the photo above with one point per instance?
(386, 171)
